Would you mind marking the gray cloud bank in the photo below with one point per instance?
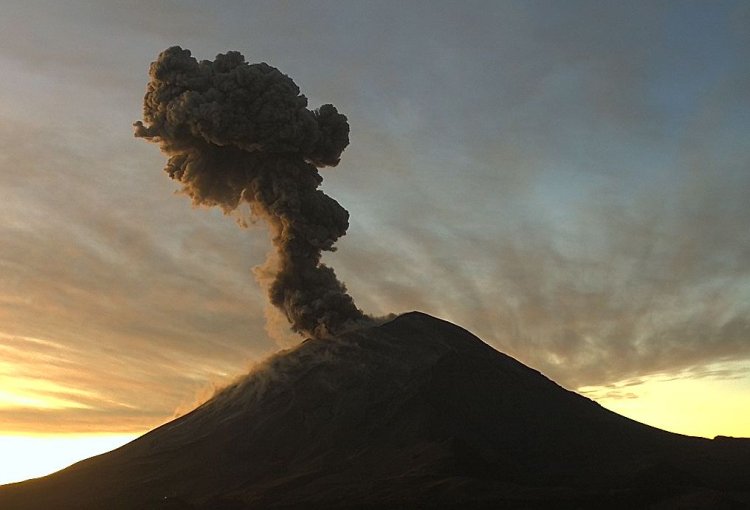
(568, 181)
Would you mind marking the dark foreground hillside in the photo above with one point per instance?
(415, 413)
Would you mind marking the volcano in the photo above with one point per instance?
(413, 413)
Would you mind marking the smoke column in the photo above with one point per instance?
(236, 132)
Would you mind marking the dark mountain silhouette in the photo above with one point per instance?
(414, 413)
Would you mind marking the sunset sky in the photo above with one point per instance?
(567, 180)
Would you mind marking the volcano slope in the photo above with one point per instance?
(414, 413)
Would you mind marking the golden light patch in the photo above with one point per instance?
(30, 392)
(11, 399)
(27, 457)
(708, 403)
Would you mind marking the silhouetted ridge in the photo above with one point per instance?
(416, 411)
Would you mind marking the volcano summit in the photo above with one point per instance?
(413, 413)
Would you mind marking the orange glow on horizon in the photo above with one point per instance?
(29, 456)
(697, 406)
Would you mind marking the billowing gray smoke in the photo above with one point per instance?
(237, 132)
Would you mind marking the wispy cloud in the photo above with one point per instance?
(568, 181)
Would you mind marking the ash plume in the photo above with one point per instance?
(237, 132)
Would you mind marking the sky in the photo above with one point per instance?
(566, 180)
